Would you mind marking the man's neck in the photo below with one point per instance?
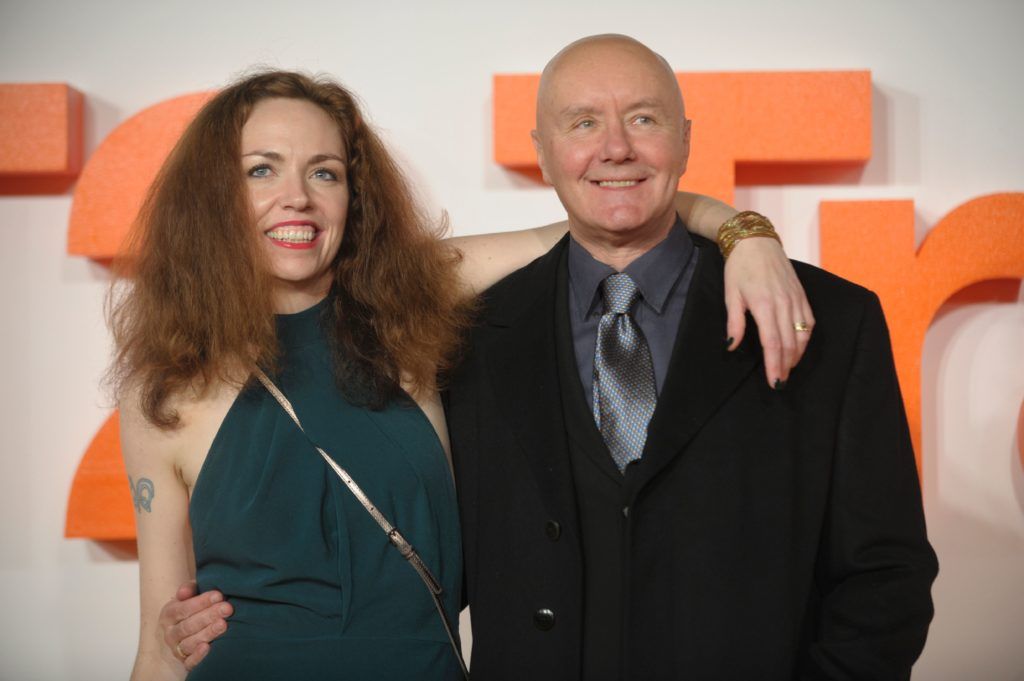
(618, 251)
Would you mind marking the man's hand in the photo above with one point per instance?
(190, 622)
(760, 278)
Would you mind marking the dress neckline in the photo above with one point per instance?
(301, 328)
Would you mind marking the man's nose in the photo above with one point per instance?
(618, 147)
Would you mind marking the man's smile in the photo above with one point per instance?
(616, 184)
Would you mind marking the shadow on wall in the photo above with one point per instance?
(973, 484)
(887, 168)
(1017, 467)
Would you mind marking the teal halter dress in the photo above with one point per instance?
(318, 591)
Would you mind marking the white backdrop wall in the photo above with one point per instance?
(947, 103)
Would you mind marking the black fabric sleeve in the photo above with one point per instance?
(876, 566)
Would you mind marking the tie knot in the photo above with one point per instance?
(620, 292)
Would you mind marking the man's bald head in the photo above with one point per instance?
(596, 46)
(613, 139)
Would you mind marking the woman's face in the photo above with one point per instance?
(294, 165)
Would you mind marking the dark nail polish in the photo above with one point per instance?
(728, 341)
(779, 384)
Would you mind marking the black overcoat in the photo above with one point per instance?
(773, 534)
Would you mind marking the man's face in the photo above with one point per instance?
(613, 140)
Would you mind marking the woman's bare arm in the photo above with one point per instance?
(758, 278)
(164, 537)
(488, 258)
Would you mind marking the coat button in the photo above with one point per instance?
(544, 619)
(553, 530)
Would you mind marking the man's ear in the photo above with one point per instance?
(539, 148)
(686, 145)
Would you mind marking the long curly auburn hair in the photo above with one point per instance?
(198, 307)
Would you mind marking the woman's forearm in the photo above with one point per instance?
(487, 258)
(703, 214)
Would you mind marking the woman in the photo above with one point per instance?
(280, 200)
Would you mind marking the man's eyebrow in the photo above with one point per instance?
(316, 158)
(647, 104)
(574, 111)
(585, 109)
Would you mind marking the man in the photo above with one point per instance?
(746, 533)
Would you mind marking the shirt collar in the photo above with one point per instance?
(655, 272)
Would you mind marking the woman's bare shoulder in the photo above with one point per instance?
(200, 411)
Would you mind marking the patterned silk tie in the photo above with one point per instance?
(624, 395)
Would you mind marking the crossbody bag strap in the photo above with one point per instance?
(394, 536)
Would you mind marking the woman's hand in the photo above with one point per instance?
(760, 279)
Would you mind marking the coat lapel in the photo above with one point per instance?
(523, 369)
(702, 374)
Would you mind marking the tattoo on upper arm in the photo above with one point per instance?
(142, 494)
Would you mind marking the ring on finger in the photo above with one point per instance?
(179, 652)
(801, 326)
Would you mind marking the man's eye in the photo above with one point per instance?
(586, 123)
(643, 120)
(261, 170)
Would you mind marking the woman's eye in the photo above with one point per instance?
(261, 170)
(324, 174)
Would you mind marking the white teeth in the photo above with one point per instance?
(617, 183)
(294, 235)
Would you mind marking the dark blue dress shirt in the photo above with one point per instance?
(663, 275)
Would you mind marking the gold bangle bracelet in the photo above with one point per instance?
(742, 226)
